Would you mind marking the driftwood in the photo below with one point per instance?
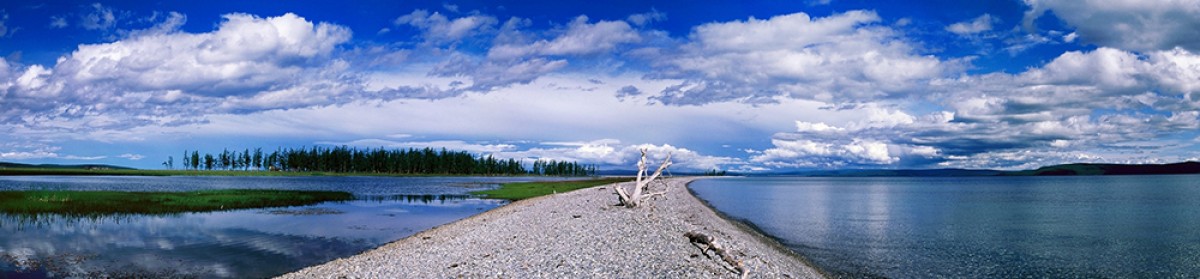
(641, 188)
(710, 243)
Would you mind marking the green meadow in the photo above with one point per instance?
(91, 203)
(525, 190)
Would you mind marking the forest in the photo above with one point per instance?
(343, 159)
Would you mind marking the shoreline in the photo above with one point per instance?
(752, 230)
(577, 234)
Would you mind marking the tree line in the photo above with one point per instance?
(374, 160)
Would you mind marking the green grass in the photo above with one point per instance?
(525, 190)
(136, 172)
(96, 203)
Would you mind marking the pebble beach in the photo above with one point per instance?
(578, 234)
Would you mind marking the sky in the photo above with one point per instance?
(747, 86)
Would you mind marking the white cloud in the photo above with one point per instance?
(581, 38)
(845, 56)
(815, 127)
(170, 24)
(34, 77)
(437, 28)
(58, 22)
(160, 74)
(3, 24)
(517, 59)
(1126, 24)
(99, 18)
(245, 53)
(607, 153)
(856, 143)
(982, 23)
(456, 145)
(646, 18)
(1070, 38)
(23, 155)
(1077, 104)
(611, 154)
(133, 157)
(11, 151)
(845, 90)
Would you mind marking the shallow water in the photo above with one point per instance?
(248, 243)
(976, 227)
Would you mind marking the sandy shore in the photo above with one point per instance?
(577, 234)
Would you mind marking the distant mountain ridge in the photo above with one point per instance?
(891, 173)
(7, 165)
(1054, 170)
(1189, 167)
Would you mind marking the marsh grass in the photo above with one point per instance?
(137, 172)
(525, 190)
(93, 203)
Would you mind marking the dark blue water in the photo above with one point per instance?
(976, 227)
(251, 243)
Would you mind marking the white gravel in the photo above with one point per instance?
(579, 234)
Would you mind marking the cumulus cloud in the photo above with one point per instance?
(980, 24)
(647, 18)
(519, 58)
(247, 54)
(610, 153)
(1126, 24)
(865, 142)
(437, 28)
(845, 56)
(99, 17)
(162, 76)
(1070, 38)
(34, 151)
(1069, 110)
(607, 153)
(628, 91)
(580, 38)
(456, 145)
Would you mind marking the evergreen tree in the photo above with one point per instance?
(196, 160)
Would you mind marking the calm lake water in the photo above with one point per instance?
(976, 227)
(250, 243)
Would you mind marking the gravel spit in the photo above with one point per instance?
(578, 234)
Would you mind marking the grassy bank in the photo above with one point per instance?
(136, 172)
(91, 203)
(525, 190)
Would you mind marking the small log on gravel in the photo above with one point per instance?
(710, 243)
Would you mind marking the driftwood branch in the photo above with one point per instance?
(711, 244)
(641, 187)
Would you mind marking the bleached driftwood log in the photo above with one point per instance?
(710, 243)
(641, 188)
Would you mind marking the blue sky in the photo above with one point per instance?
(735, 85)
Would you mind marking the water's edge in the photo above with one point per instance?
(750, 229)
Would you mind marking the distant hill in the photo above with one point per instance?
(892, 173)
(1113, 169)
(7, 165)
(1065, 169)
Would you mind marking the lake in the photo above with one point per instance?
(251, 243)
(976, 227)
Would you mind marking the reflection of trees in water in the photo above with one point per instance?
(424, 198)
(131, 250)
(23, 221)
